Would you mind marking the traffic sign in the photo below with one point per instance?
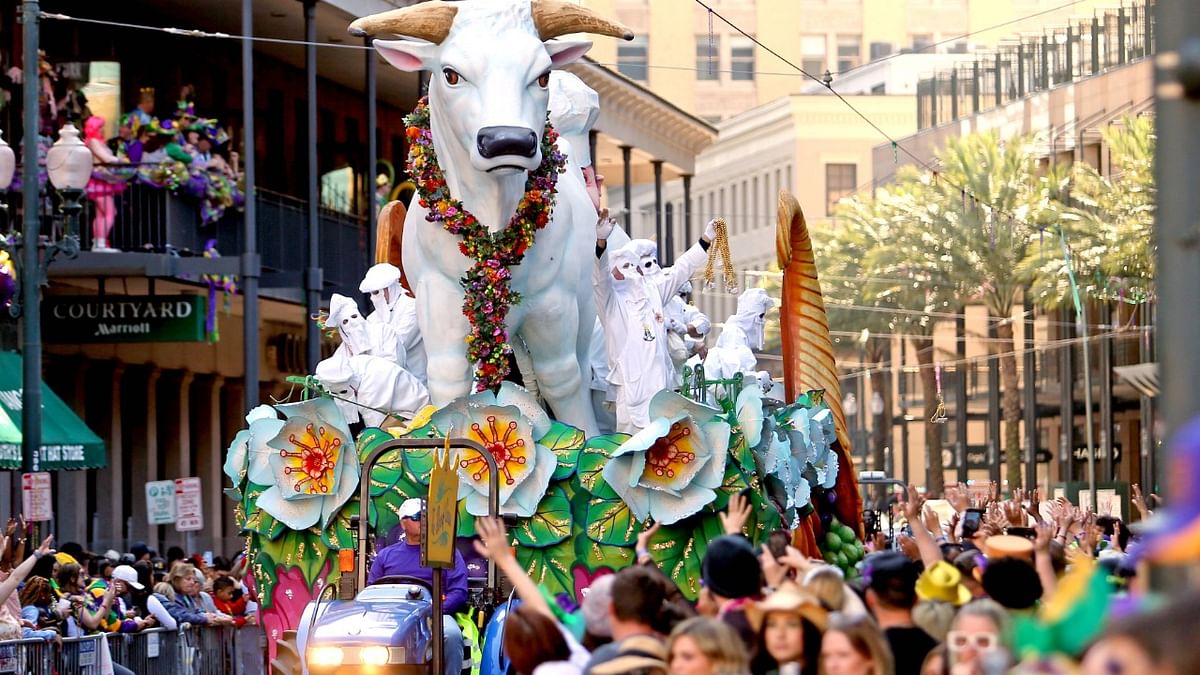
(160, 502)
(189, 512)
(37, 502)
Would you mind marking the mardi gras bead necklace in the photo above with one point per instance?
(488, 282)
(719, 248)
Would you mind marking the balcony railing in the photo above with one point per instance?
(1083, 47)
(151, 220)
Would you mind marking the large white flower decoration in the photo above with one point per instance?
(248, 454)
(509, 424)
(313, 465)
(672, 468)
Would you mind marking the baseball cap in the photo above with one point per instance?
(411, 508)
(128, 575)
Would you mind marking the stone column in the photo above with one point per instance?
(210, 456)
(106, 420)
(143, 452)
(70, 508)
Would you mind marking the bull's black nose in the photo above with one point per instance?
(501, 141)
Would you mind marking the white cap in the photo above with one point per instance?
(410, 507)
(128, 575)
(112, 556)
(340, 309)
(644, 248)
(622, 256)
(380, 277)
(754, 301)
(574, 107)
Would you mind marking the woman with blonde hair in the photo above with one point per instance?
(703, 646)
(186, 607)
(854, 645)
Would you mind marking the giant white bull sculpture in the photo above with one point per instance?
(490, 62)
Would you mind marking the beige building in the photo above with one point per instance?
(701, 64)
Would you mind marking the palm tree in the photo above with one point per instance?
(991, 203)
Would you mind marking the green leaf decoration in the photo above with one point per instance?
(370, 439)
(301, 550)
(419, 464)
(741, 453)
(550, 524)
(733, 483)
(263, 568)
(550, 566)
(609, 521)
(340, 534)
(592, 459)
(466, 521)
(764, 519)
(265, 525)
(391, 474)
(565, 442)
(594, 556)
(678, 550)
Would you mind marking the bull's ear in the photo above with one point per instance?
(407, 55)
(563, 52)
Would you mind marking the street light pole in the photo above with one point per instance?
(31, 328)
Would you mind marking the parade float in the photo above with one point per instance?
(481, 260)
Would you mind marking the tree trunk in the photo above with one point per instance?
(1011, 404)
(933, 432)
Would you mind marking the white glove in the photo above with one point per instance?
(676, 327)
(604, 226)
(765, 381)
(710, 231)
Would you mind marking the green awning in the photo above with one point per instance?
(67, 443)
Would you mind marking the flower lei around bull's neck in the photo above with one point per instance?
(487, 283)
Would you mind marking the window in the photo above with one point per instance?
(741, 58)
(708, 59)
(755, 202)
(881, 49)
(849, 49)
(632, 58)
(922, 42)
(732, 218)
(812, 50)
(840, 181)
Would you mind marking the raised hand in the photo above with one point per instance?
(912, 504)
(736, 514)
(1045, 533)
(643, 538)
(1139, 503)
(909, 546)
(773, 572)
(493, 540)
(604, 226)
(710, 230)
(932, 522)
(46, 548)
(1014, 513)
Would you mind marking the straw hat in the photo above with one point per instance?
(943, 583)
(636, 652)
(1008, 546)
(788, 598)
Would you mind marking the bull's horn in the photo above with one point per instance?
(555, 18)
(426, 21)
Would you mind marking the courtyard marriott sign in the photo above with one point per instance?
(123, 318)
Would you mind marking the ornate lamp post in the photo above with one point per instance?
(8, 164)
(69, 163)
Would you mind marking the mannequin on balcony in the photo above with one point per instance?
(103, 185)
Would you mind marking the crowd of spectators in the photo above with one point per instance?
(968, 596)
(70, 592)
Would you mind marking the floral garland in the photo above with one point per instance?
(487, 284)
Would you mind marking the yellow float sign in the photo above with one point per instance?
(441, 515)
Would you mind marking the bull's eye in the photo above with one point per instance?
(451, 75)
(544, 80)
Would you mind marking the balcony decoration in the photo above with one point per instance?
(506, 423)
(487, 283)
(225, 284)
(8, 279)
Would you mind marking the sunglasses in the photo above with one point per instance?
(415, 518)
(983, 642)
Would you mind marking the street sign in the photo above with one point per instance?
(37, 503)
(160, 502)
(124, 318)
(189, 513)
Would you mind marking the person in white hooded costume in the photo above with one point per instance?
(742, 334)
(366, 368)
(631, 308)
(686, 324)
(396, 308)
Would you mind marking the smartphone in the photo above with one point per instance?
(971, 521)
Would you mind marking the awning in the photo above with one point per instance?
(1143, 377)
(67, 443)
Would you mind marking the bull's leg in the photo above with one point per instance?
(440, 316)
(550, 328)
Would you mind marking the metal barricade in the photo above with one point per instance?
(80, 656)
(207, 650)
(26, 656)
(149, 651)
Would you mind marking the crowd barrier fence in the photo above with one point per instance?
(190, 650)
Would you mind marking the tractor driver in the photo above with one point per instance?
(404, 558)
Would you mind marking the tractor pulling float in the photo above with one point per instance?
(319, 486)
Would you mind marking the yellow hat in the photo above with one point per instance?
(943, 583)
(65, 559)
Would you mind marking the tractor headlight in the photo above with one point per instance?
(325, 656)
(375, 655)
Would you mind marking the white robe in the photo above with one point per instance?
(378, 383)
(382, 341)
(683, 316)
(636, 335)
(402, 318)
